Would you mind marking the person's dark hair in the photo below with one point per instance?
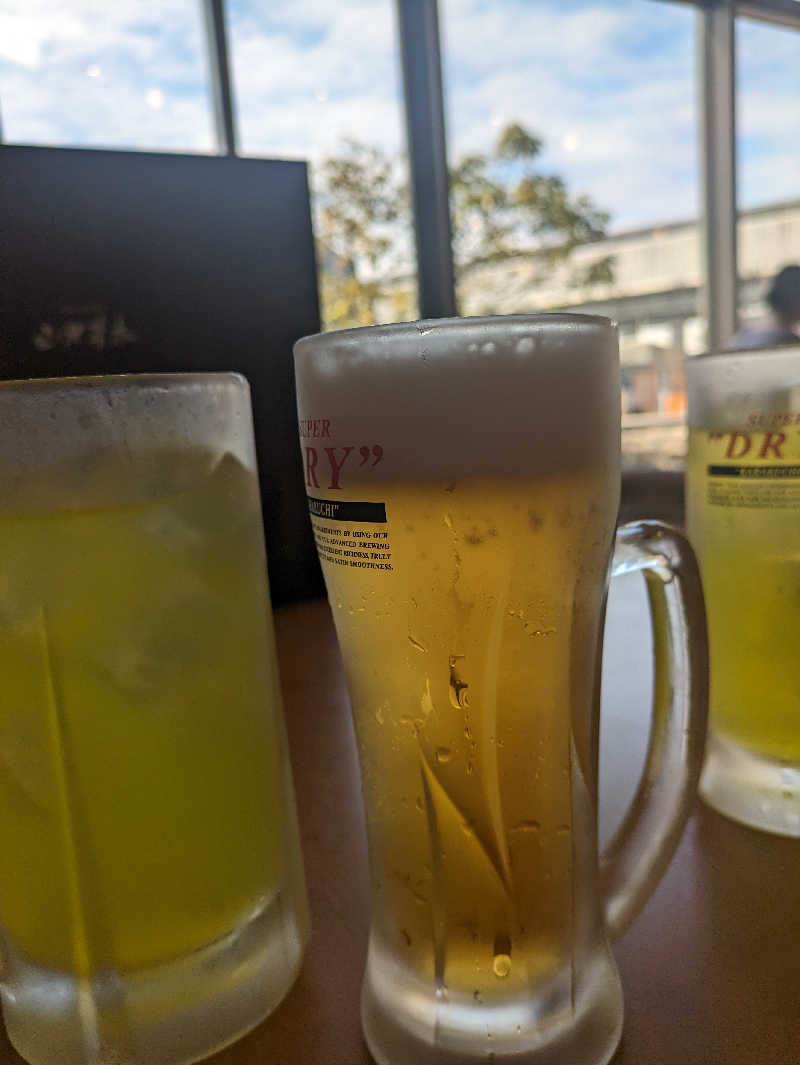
(784, 292)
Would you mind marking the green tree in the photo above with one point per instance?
(500, 206)
(362, 220)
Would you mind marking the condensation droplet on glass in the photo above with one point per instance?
(426, 701)
(562, 829)
(420, 805)
(528, 826)
(489, 348)
(416, 643)
(501, 965)
(469, 768)
(379, 715)
(443, 754)
(525, 346)
(457, 689)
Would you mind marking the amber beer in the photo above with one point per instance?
(467, 658)
(463, 486)
(465, 542)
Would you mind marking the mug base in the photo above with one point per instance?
(171, 1014)
(759, 792)
(404, 1025)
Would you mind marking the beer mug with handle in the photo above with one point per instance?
(743, 518)
(152, 901)
(463, 483)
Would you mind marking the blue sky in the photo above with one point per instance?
(608, 84)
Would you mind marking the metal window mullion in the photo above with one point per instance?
(718, 166)
(424, 111)
(217, 43)
(779, 12)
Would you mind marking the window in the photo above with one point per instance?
(127, 74)
(572, 133)
(768, 157)
(320, 81)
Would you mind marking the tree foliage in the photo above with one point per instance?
(500, 206)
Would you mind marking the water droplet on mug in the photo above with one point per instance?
(443, 754)
(501, 965)
(528, 826)
(457, 689)
(416, 643)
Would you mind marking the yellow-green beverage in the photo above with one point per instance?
(743, 516)
(469, 622)
(143, 815)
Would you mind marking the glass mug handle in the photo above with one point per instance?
(636, 857)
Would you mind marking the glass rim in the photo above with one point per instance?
(427, 328)
(121, 380)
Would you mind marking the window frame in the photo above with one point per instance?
(423, 102)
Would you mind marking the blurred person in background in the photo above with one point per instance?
(783, 298)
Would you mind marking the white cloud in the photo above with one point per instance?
(609, 87)
(81, 76)
(769, 113)
(328, 71)
(608, 84)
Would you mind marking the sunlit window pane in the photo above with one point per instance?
(768, 151)
(127, 74)
(573, 143)
(320, 81)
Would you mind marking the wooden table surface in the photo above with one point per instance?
(711, 968)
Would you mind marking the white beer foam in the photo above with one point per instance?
(466, 397)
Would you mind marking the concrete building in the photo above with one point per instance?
(657, 293)
(657, 297)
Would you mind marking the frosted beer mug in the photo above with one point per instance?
(743, 517)
(152, 904)
(463, 482)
